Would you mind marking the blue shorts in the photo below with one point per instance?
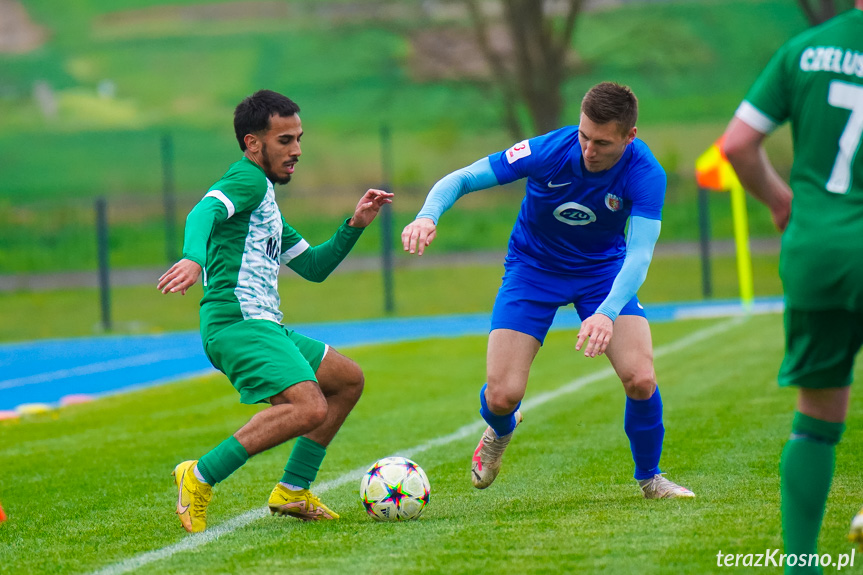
(528, 298)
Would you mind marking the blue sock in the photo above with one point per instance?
(642, 422)
(502, 424)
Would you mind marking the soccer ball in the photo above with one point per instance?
(395, 489)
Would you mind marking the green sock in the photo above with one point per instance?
(806, 471)
(222, 461)
(304, 462)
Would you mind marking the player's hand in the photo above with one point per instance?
(368, 207)
(596, 330)
(781, 212)
(418, 234)
(180, 277)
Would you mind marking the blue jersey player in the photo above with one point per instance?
(568, 246)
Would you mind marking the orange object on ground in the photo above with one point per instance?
(2, 515)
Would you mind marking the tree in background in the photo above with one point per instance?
(818, 11)
(530, 74)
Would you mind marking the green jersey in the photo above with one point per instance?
(815, 81)
(239, 237)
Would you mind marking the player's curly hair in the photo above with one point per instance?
(610, 102)
(252, 115)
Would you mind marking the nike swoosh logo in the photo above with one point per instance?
(180, 508)
(550, 185)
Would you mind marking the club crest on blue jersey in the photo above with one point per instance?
(613, 203)
(573, 214)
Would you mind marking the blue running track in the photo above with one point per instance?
(46, 371)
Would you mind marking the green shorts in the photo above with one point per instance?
(820, 347)
(263, 358)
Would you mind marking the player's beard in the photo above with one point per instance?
(268, 168)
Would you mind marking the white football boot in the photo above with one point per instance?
(658, 487)
(486, 459)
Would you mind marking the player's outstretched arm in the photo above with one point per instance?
(368, 207)
(180, 277)
(199, 226)
(316, 263)
(418, 234)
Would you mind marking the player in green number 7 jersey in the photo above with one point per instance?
(815, 81)
(236, 236)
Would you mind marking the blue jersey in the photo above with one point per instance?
(571, 220)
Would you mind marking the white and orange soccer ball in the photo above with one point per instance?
(395, 489)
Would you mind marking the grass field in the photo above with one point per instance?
(90, 488)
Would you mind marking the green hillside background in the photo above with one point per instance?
(126, 73)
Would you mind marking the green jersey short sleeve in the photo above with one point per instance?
(293, 243)
(815, 81)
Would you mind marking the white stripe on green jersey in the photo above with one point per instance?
(229, 205)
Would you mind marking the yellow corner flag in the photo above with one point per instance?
(714, 172)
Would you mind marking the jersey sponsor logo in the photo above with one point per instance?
(551, 185)
(274, 248)
(573, 214)
(518, 151)
(613, 203)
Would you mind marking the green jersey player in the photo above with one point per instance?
(237, 239)
(815, 82)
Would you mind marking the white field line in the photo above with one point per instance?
(195, 541)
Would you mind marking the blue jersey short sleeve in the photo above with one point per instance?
(527, 158)
(646, 182)
(571, 220)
